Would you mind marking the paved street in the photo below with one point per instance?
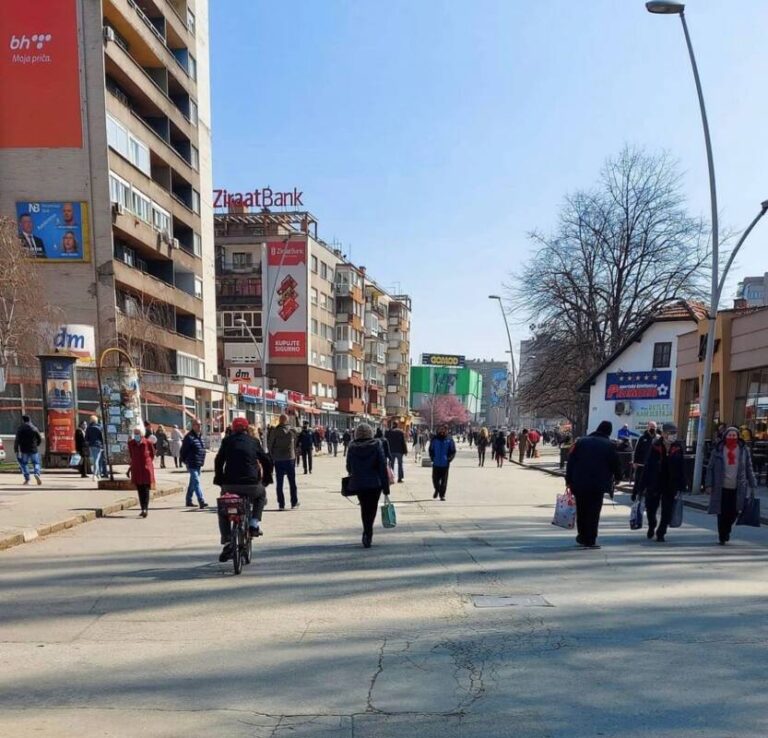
(124, 627)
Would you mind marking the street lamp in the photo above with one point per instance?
(660, 7)
(511, 352)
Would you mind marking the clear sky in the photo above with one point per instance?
(429, 136)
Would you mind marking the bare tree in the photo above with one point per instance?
(141, 322)
(618, 253)
(26, 321)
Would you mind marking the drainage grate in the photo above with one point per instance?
(519, 600)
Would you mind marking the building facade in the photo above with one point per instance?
(495, 402)
(754, 291)
(113, 200)
(429, 382)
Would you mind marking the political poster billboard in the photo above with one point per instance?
(286, 295)
(54, 231)
(59, 403)
(443, 360)
(40, 97)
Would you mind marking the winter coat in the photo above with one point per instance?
(142, 469)
(522, 445)
(482, 442)
(193, 451)
(162, 445)
(282, 443)
(593, 466)
(745, 476)
(241, 460)
(442, 451)
(175, 444)
(306, 442)
(396, 439)
(511, 442)
(346, 438)
(664, 472)
(80, 445)
(94, 437)
(367, 466)
(27, 440)
(500, 445)
(643, 447)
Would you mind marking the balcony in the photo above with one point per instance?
(157, 289)
(342, 346)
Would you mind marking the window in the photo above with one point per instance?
(129, 256)
(197, 244)
(242, 259)
(314, 265)
(342, 333)
(341, 361)
(195, 201)
(314, 358)
(141, 206)
(313, 294)
(323, 361)
(314, 389)
(161, 219)
(324, 270)
(119, 191)
(314, 327)
(189, 366)
(190, 21)
(198, 288)
(198, 329)
(127, 145)
(662, 355)
(193, 111)
(192, 66)
(194, 157)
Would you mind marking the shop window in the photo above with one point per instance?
(662, 355)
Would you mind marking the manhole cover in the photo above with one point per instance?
(522, 600)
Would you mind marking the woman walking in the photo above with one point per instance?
(367, 469)
(175, 445)
(729, 479)
(511, 443)
(162, 445)
(522, 445)
(482, 444)
(142, 469)
(500, 448)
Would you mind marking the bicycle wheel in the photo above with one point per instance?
(248, 548)
(237, 537)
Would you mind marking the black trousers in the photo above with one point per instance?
(143, 490)
(440, 479)
(728, 513)
(652, 502)
(369, 505)
(83, 466)
(588, 508)
(306, 460)
(481, 455)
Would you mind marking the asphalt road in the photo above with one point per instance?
(126, 627)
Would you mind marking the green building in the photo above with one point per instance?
(429, 381)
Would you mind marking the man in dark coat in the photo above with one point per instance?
(593, 468)
(397, 447)
(663, 478)
(193, 455)
(642, 449)
(306, 444)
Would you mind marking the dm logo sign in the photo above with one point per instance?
(78, 340)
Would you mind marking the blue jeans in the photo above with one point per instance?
(194, 486)
(96, 455)
(399, 459)
(25, 460)
(284, 468)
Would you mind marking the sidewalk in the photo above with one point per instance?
(65, 500)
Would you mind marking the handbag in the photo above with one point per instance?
(636, 515)
(390, 474)
(345, 491)
(565, 510)
(750, 513)
(388, 513)
(75, 460)
(677, 512)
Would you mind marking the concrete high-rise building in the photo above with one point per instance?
(754, 290)
(495, 403)
(112, 185)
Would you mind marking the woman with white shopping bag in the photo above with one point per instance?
(368, 476)
(593, 467)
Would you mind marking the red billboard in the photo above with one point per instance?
(40, 72)
(287, 287)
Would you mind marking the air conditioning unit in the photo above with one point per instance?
(175, 243)
(109, 34)
(118, 209)
(623, 407)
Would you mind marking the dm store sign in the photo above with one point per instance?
(653, 385)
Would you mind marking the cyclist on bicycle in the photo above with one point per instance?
(242, 468)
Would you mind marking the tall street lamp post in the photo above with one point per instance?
(661, 7)
(511, 353)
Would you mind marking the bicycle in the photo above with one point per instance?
(238, 512)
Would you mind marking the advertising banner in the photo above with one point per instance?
(59, 403)
(78, 339)
(642, 385)
(498, 389)
(286, 271)
(443, 360)
(122, 409)
(54, 231)
(39, 65)
(241, 373)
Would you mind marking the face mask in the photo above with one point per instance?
(137, 437)
(672, 437)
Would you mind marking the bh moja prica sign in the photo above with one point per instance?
(647, 385)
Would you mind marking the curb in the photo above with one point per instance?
(31, 534)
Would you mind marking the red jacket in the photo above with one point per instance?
(142, 468)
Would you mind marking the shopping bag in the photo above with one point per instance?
(565, 510)
(75, 460)
(390, 473)
(345, 491)
(636, 515)
(388, 514)
(750, 514)
(677, 512)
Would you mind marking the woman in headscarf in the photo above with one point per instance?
(730, 478)
(368, 478)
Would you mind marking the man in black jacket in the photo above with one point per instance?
(663, 478)
(306, 444)
(25, 446)
(242, 468)
(593, 468)
(642, 448)
(397, 447)
(193, 455)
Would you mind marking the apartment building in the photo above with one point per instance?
(116, 189)
(397, 396)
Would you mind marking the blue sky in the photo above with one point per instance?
(430, 136)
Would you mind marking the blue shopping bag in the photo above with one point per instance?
(750, 514)
(388, 515)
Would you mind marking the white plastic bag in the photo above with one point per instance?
(565, 510)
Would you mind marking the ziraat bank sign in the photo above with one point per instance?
(263, 198)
